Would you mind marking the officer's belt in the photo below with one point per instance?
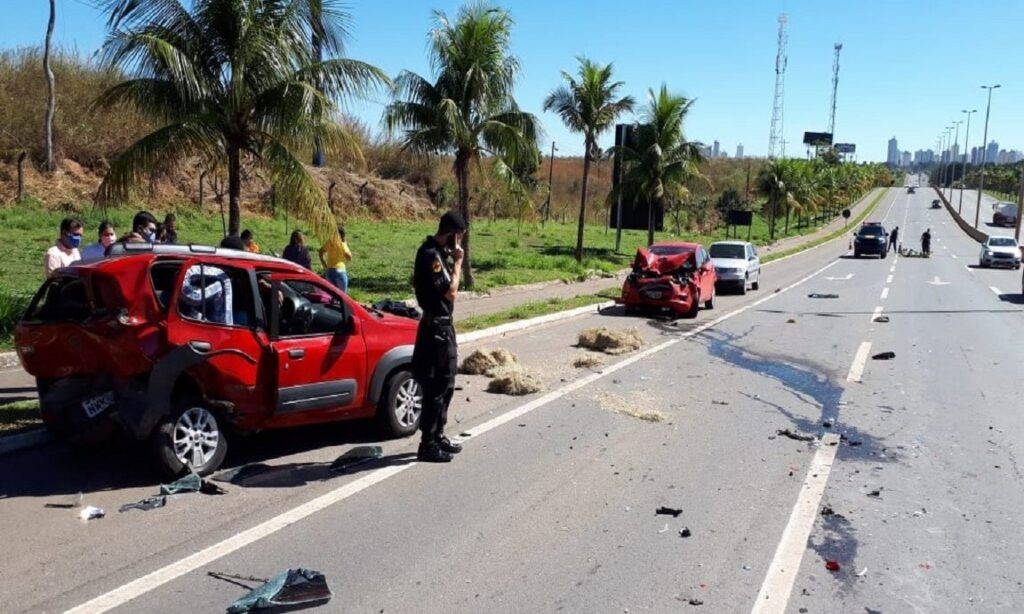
(438, 320)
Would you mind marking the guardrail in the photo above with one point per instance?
(971, 231)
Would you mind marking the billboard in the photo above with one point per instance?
(817, 138)
(846, 148)
(735, 217)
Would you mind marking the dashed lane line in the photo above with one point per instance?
(877, 312)
(885, 293)
(859, 360)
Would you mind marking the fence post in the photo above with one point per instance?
(21, 176)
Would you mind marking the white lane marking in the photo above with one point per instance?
(892, 269)
(136, 588)
(859, 360)
(888, 279)
(847, 277)
(938, 282)
(969, 269)
(996, 290)
(877, 312)
(885, 293)
(954, 256)
(778, 583)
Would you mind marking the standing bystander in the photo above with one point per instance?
(65, 250)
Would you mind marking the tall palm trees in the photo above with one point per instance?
(467, 109)
(235, 80)
(588, 105)
(661, 160)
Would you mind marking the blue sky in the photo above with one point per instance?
(907, 67)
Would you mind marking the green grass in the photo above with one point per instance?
(833, 235)
(19, 416)
(1002, 196)
(529, 310)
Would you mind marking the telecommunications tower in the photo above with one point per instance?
(776, 145)
(835, 89)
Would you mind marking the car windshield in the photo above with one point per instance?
(727, 250)
(668, 250)
(872, 231)
(1002, 242)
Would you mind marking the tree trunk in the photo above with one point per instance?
(21, 176)
(583, 202)
(234, 190)
(51, 96)
(651, 204)
(787, 220)
(462, 160)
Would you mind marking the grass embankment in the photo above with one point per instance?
(19, 416)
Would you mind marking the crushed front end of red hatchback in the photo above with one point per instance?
(664, 282)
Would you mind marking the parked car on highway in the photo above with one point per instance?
(1004, 214)
(910, 189)
(1000, 251)
(183, 346)
(736, 264)
(670, 276)
(936, 204)
(871, 238)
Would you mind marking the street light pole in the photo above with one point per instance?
(949, 149)
(551, 187)
(952, 161)
(963, 165)
(984, 142)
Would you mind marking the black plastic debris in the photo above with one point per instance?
(714, 402)
(795, 436)
(827, 511)
(884, 356)
(695, 601)
(882, 319)
(76, 501)
(354, 457)
(292, 589)
(668, 511)
(191, 483)
(149, 503)
(827, 424)
(239, 475)
(877, 493)
(820, 295)
(685, 532)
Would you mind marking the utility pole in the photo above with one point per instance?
(621, 132)
(952, 162)
(1020, 205)
(776, 133)
(984, 151)
(835, 89)
(963, 165)
(51, 98)
(551, 176)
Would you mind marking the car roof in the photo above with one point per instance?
(149, 251)
(676, 244)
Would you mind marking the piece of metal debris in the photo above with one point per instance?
(882, 319)
(149, 503)
(820, 295)
(884, 356)
(668, 511)
(290, 589)
(796, 436)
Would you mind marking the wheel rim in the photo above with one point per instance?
(196, 437)
(408, 403)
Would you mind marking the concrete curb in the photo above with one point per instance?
(23, 441)
(971, 231)
(518, 325)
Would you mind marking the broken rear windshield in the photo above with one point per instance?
(669, 250)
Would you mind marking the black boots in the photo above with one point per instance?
(440, 451)
(448, 445)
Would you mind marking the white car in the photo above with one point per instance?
(737, 264)
(1000, 251)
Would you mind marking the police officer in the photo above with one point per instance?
(926, 242)
(434, 356)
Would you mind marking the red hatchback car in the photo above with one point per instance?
(179, 345)
(673, 276)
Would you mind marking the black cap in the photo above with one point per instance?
(451, 222)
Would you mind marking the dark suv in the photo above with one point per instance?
(871, 238)
(182, 346)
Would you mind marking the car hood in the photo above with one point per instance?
(646, 262)
(729, 263)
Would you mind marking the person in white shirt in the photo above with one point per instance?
(98, 250)
(65, 250)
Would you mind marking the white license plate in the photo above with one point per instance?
(98, 404)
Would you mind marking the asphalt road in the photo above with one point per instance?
(970, 207)
(551, 507)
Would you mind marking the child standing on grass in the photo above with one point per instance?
(334, 255)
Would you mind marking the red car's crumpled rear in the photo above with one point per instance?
(661, 282)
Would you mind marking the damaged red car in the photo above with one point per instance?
(185, 346)
(670, 276)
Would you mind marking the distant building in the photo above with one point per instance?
(715, 149)
(739, 150)
(893, 157)
(975, 155)
(906, 159)
(954, 153)
(992, 151)
(1016, 156)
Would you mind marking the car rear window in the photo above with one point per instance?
(61, 299)
(1002, 242)
(163, 275)
(728, 251)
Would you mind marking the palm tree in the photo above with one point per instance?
(467, 110)
(775, 183)
(234, 80)
(660, 161)
(588, 105)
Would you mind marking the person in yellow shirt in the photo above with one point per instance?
(333, 256)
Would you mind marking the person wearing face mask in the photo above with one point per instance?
(64, 251)
(98, 250)
(145, 225)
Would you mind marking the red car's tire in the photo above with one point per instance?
(190, 431)
(401, 405)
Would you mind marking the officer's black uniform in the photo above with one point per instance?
(926, 242)
(435, 354)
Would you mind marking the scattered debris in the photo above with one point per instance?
(611, 341)
(486, 362)
(827, 424)
(819, 295)
(76, 501)
(664, 529)
(354, 457)
(827, 511)
(925, 566)
(638, 407)
(685, 532)
(239, 475)
(292, 588)
(695, 601)
(877, 493)
(832, 565)
(882, 319)
(719, 402)
(884, 356)
(587, 361)
(862, 573)
(796, 436)
(191, 483)
(513, 380)
(746, 568)
(791, 321)
(149, 503)
(668, 511)
(90, 512)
